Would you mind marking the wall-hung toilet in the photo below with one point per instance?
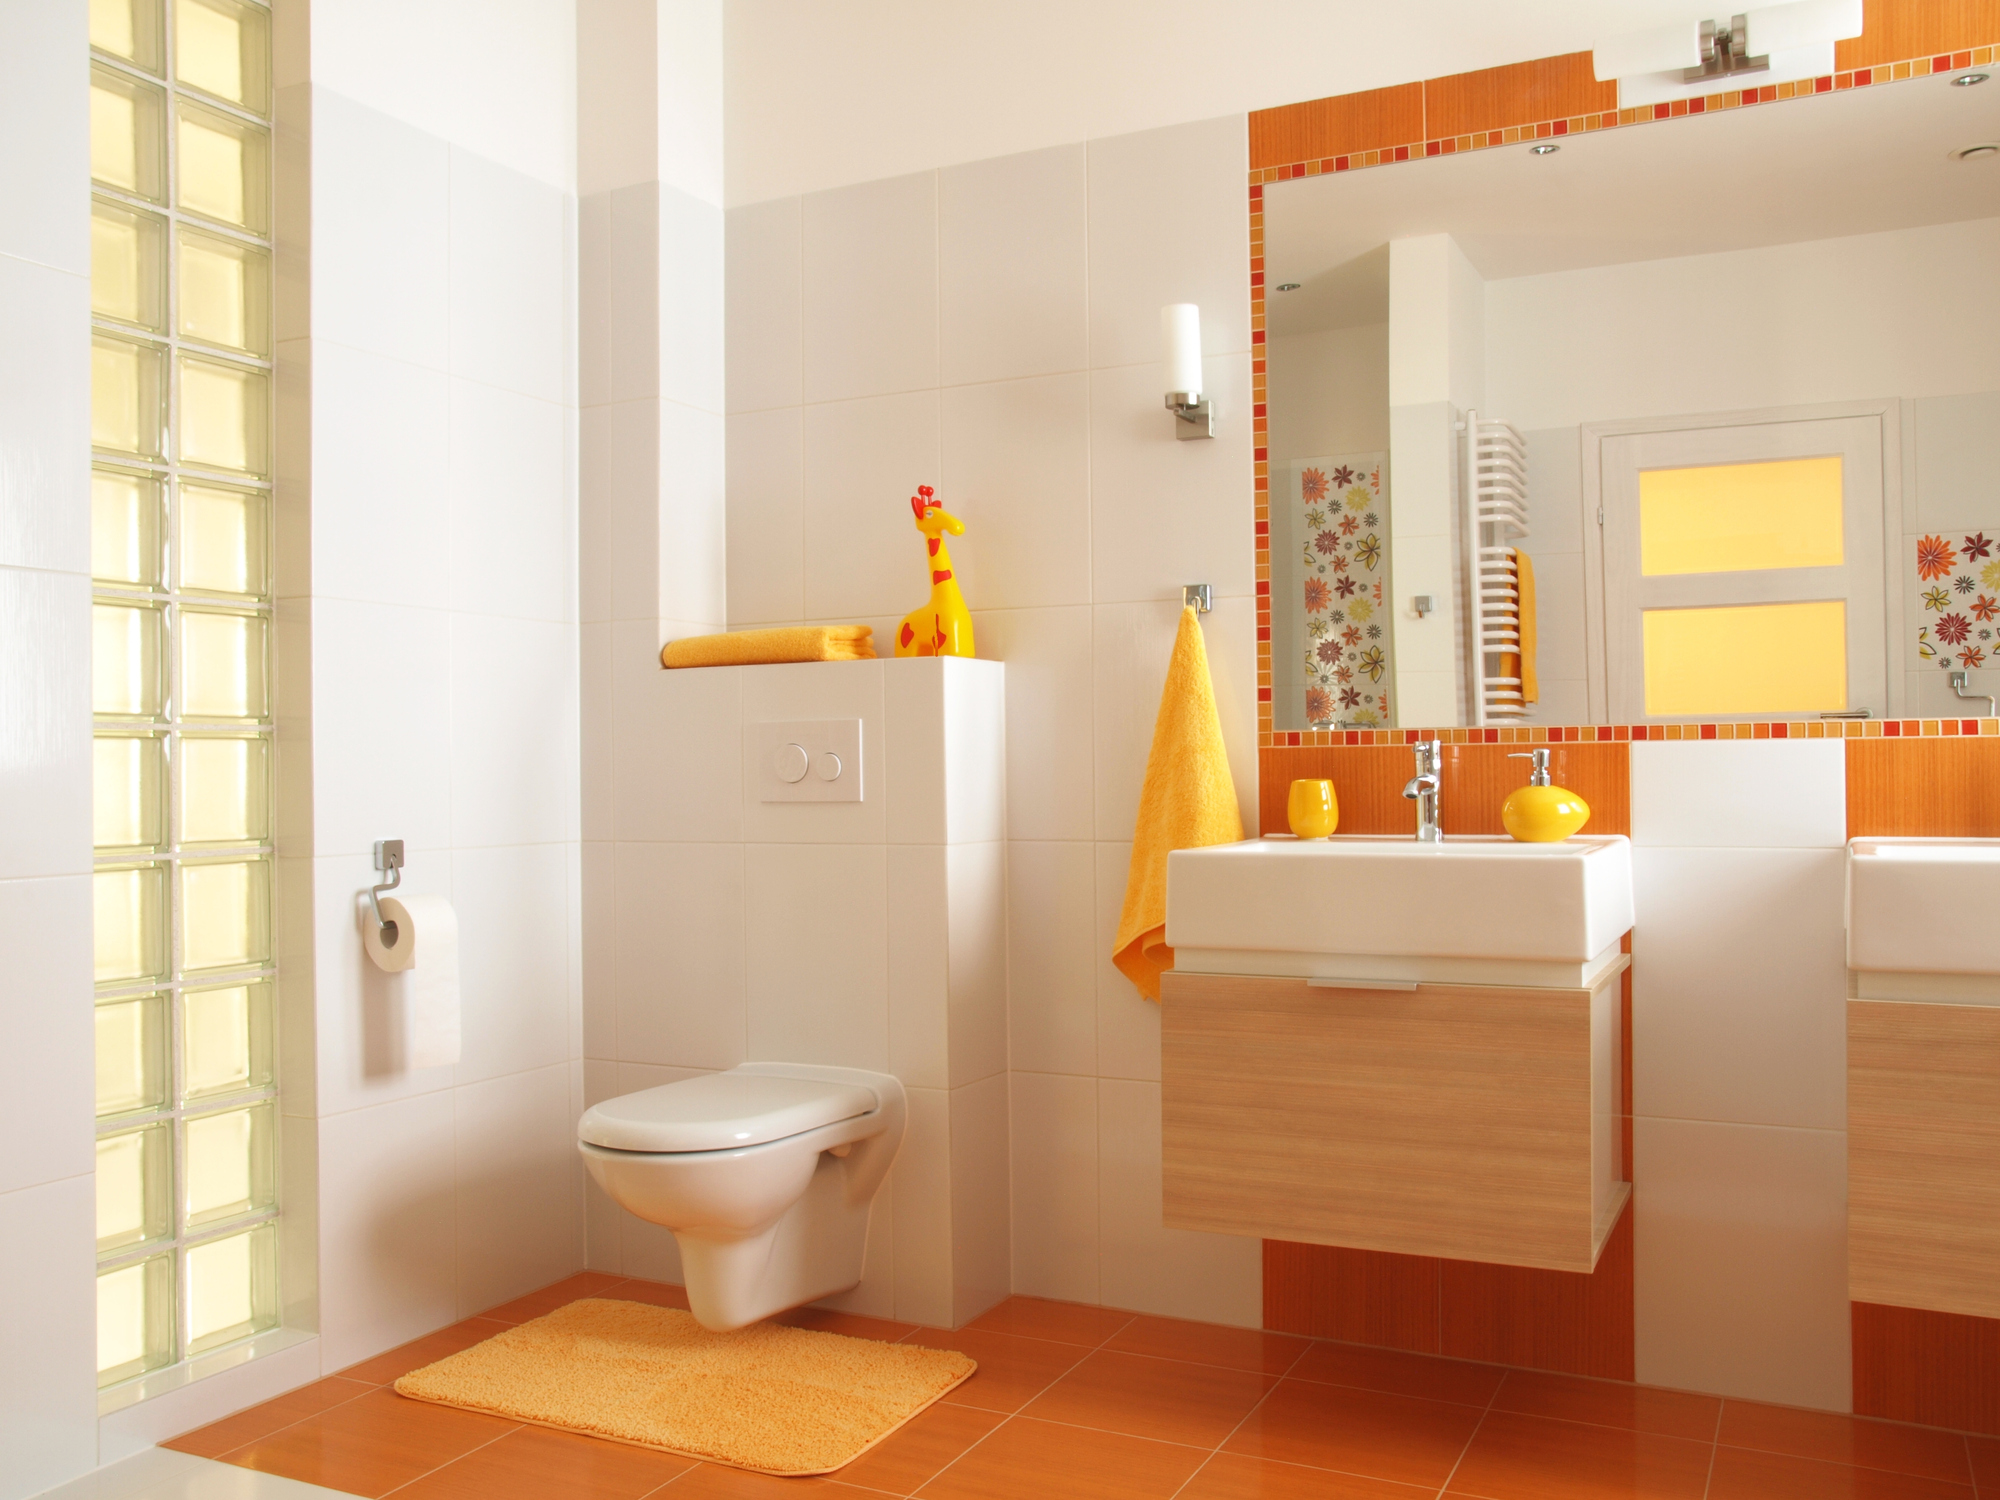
(765, 1174)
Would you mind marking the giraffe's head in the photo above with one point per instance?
(933, 518)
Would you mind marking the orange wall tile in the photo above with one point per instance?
(1941, 1369)
(1358, 1296)
(1333, 127)
(1550, 88)
(1543, 1320)
(1368, 780)
(1918, 787)
(1893, 30)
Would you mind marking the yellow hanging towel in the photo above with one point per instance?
(1521, 664)
(1188, 801)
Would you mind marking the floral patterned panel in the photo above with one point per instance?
(1341, 521)
(1958, 599)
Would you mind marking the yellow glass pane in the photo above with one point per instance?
(129, 29)
(1746, 659)
(227, 1159)
(224, 416)
(131, 1055)
(225, 790)
(232, 1288)
(129, 917)
(221, 46)
(127, 126)
(222, 540)
(225, 1040)
(132, 1197)
(127, 380)
(222, 665)
(125, 659)
(224, 168)
(1731, 518)
(128, 793)
(135, 1319)
(124, 528)
(128, 266)
(225, 914)
(225, 290)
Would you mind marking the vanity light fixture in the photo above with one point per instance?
(1967, 80)
(1771, 44)
(1979, 151)
(1546, 148)
(1180, 331)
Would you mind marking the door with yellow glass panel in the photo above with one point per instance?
(187, 1191)
(1743, 570)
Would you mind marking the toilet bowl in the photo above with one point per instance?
(765, 1174)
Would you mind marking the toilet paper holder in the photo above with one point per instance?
(389, 860)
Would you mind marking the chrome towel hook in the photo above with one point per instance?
(389, 859)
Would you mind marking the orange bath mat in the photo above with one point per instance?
(772, 1399)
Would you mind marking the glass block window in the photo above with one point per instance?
(187, 1185)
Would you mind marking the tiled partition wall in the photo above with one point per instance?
(993, 330)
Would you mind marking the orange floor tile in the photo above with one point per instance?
(1087, 1403)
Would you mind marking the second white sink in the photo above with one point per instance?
(1923, 905)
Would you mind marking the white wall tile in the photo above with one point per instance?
(387, 1253)
(863, 460)
(1053, 1123)
(978, 942)
(513, 962)
(680, 990)
(633, 349)
(1177, 1273)
(920, 1218)
(519, 1187)
(598, 730)
(981, 1269)
(919, 965)
(48, 1402)
(44, 413)
(594, 298)
(975, 717)
(1012, 234)
(1131, 647)
(1049, 718)
(381, 493)
(45, 703)
(513, 512)
(766, 518)
(1555, 491)
(869, 299)
(678, 757)
(761, 308)
(375, 665)
(1168, 224)
(691, 311)
(1051, 968)
(514, 731)
(1739, 986)
(46, 104)
(693, 518)
(381, 233)
(1743, 794)
(599, 938)
(1229, 637)
(1128, 1024)
(1740, 1261)
(817, 936)
(1164, 512)
(602, 1228)
(511, 280)
(816, 690)
(917, 771)
(622, 512)
(601, 431)
(1017, 470)
(1561, 620)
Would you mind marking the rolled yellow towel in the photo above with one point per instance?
(1188, 801)
(744, 648)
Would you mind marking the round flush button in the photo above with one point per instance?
(791, 763)
(829, 767)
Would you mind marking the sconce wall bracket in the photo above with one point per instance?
(1194, 417)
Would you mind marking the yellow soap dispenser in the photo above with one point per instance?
(1539, 813)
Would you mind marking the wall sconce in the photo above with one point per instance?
(1180, 330)
(1770, 44)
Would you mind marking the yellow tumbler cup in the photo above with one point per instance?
(1312, 810)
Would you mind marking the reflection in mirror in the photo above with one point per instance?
(1749, 360)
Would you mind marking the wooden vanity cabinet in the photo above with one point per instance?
(1471, 1122)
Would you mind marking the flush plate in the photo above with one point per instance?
(806, 760)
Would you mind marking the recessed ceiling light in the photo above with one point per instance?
(1967, 80)
(1982, 151)
(1288, 286)
(1547, 148)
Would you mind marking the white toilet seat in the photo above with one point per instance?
(721, 1112)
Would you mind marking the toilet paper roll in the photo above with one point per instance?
(423, 956)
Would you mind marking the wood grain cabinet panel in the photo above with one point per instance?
(1469, 1122)
(1923, 1156)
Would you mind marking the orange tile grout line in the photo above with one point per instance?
(1254, 1407)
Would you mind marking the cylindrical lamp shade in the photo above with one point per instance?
(1180, 329)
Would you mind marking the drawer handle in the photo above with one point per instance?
(1318, 983)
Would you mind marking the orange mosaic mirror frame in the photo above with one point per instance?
(1553, 97)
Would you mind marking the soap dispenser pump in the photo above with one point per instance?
(1539, 813)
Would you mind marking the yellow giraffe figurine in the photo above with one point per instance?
(943, 626)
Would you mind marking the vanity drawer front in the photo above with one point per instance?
(1454, 1121)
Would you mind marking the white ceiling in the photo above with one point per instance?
(1854, 162)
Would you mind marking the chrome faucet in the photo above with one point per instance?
(1423, 789)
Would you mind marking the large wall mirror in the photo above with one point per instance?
(1696, 419)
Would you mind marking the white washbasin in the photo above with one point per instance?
(1923, 906)
(1472, 909)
